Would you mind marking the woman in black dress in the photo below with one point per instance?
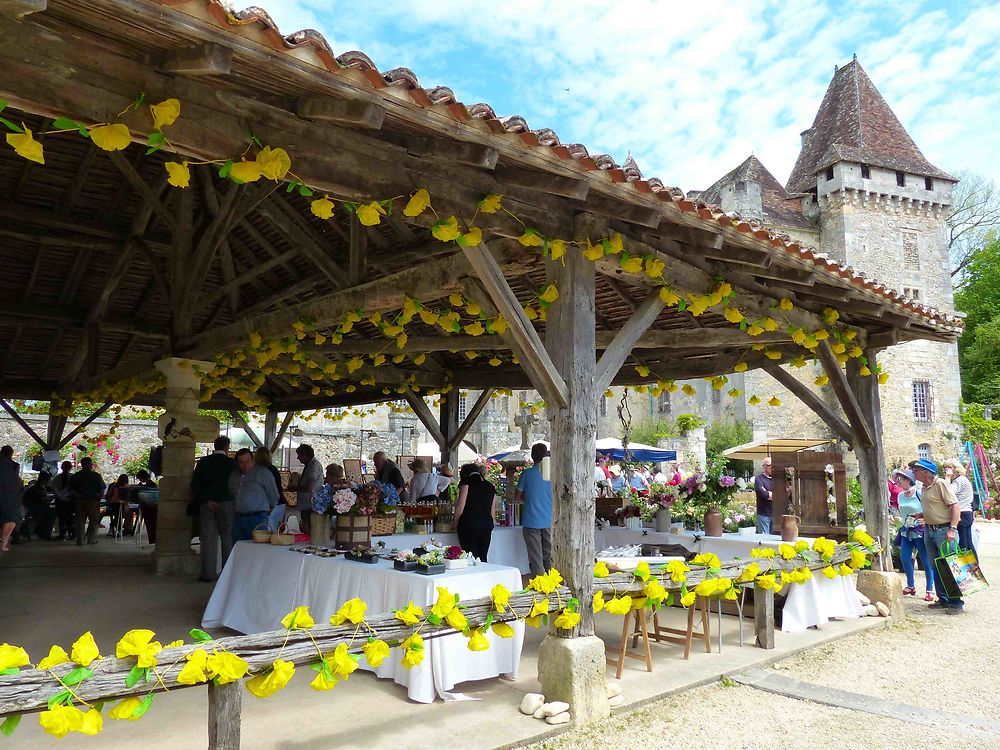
(474, 511)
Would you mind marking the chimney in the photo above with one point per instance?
(804, 135)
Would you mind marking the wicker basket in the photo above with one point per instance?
(383, 525)
(291, 498)
(353, 530)
(281, 537)
(262, 534)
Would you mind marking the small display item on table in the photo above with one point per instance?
(431, 563)
(363, 554)
(455, 558)
(405, 561)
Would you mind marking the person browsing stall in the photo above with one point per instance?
(911, 534)
(214, 506)
(474, 511)
(941, 516)
(536, 517)
(762, 489)
(254, 495)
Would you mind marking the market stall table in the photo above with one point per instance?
(506, 544)
(261, 583)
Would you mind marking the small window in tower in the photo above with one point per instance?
(741, 187)
(866, 172)
(924, 451)
(829, 173)
(928, 183)
(901, 179)
(911, 292)
(922, 400)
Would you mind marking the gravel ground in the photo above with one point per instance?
(931, 660)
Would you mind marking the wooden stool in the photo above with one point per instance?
(662, 634)
(638, 617)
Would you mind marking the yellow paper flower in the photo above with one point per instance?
(57, 655)
(707, 587)
(631, 265)
(883, 378)
(225, 667)
(490, 204)
(801, 545)
(503, 630)
(298, 619)
(770, 324)
(60, 720)
(178, 174)
(125, 709)
(862, 538)
(111, 137)
(447, 230)
(689, 389)
(845, 570)
(677, 570)
(615, 244)
(354, 364)
(245, 171)
(593, 252)
(25, 146)
(84, 650)
(165, 113)
(341, 662)
(749, 573)
(429, 317)
(478, 641)
(786, 304)
(654, 268)
(654, 590)
(668, 297)
(642, 570)
(829, 571)
(740, 367)
(550, 294)
(540, 607)
(754, 330)
(139, 643)
(598, 602)
(323, 682)
(418, 203)
(733, 315)
(618, 605)
(533, 622)
(274, 163)
(763, 552)
(531, 238)
(858, 559)
(473, 237)
(774, 401)
(567, 620)
(376, 652)
(456, 619)
(753, 400)
(688, 599)
(264, 685)
(445, 603)
(352, 611)
(708, 559)
(413, 651)
(500, 595)
(766, 581)
(370, 214)
(558, 248)
(786, 551)
(195, 670)
(92, 722)
(14, 657)
(322, 207)
(475, 329)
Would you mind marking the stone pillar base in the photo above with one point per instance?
(176, 563)
(573, 670)
(885, 587)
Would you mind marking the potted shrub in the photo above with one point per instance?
(431, 563)
(455, 557)
(405, 561)
(364, 554)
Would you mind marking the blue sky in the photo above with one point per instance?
(690, 89)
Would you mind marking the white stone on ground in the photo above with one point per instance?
(562, 718)
(539, 712)
(555, 708)
(883, 610)
(614, 689)
(865, 601)
(871, 610)
(531, 702)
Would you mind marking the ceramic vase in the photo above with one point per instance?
(713, 522)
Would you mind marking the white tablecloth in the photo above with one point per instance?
(506, 545)
(814, 602)
(261, 583)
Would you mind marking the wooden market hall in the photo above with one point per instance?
(401, 244)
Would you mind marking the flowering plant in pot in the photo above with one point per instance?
(663, 498)
(431, 563)
(455, 557)
(364, 554)
(404, 560)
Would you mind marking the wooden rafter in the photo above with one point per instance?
(21, 423)
(470, 418)
(426, 418)
(860, 425)
(619, 349)
(819, 407)
(84, 424)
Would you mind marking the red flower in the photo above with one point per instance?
(453, 552)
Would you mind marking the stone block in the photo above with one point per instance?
(531, 703)
(572, 670)
(562, 718)
(883, 587)
(882, 609)
(555, 708)
(179, 563)
(539, 712)
(865, 601)
(871, 610)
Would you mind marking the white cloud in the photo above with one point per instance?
(689, 89)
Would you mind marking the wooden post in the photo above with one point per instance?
(225, 703)
(763, 616)
(449, 427)
(270, 427)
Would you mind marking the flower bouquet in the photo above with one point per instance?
(455, 557)
(431, 563)
(405, 560)
(364, 554)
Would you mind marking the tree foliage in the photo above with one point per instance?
(979, 348)
(974, 220)
(728, 433)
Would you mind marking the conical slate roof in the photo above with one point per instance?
(780, 209)
(854, 123)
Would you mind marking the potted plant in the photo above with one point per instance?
(663, 497)
(630, 517)
(431, 563)
(354, 511)
(364, 554)
(715, 492)
(405, 561)
(455, 557)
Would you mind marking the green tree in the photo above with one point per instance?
(728, 433)
(978, 297)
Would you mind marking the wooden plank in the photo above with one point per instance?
(439, 149)
(270, 426)
(470, 419)
(200, 60)
(618, 350)
(359, 114)
(84, 424)
(276, 443)
(449, 426)
(426, 417)
(524, 337)
(819, 407)
(763, 616)
(21, 423)
(310, 247)
(860, 427)
(245, 426)
(141, 187)
(18, 9)
(358, 261)
(225, 702)
(576, 188)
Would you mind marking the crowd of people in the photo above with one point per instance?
(612, 478)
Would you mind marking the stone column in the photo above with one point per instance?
(173, 536)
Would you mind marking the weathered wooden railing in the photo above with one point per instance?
(31, 689)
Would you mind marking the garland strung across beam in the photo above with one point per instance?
(276, 164)
(68, 712)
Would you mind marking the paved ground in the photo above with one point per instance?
(930, 660)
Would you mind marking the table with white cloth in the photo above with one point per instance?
(814, 602)
(261, 583)
(506, 544)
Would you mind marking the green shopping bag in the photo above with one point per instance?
(959, 571)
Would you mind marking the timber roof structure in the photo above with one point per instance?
(108, 269)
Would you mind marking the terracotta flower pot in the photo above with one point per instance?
(713, 522)
(789, 528)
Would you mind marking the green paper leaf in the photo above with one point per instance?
(460, 241)
(318, 666)
(682, 305)
(305, 192)
(99, 706)
(254, 138)
(3, 104)
(156, 138)
(137, 102)
(58, 698)
(489, 620)
(11, 125)
(143, 707)
(77, 676)
(357, 657)
(200, 636)
(606, 244)
(135, 674)
(292, 185)
(12, 670)
(434, 619)
(9, 725)
(65, 123)
(226, 169)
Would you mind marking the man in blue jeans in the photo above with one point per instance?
(254, 494)
(762, 488)
(941, 516)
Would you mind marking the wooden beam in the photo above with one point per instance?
(426, 418)
(358, 262)
(18, 9)
(470, 418)
(819, 407)
(439, 149)
(860, 427)
(23, 425)
(309, 246)
(358, 114)
(276, 443)
(245, 426)
(139, 184)
(618, 350)
(576, 188)
(84, 424)
(200, 60)
(524, 337)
